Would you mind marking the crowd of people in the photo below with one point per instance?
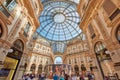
(28, 76)
(58, 76)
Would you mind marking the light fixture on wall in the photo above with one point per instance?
(10, 50)
(107, 52)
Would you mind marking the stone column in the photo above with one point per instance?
(4, 48)
(20, 70)
(36, 69)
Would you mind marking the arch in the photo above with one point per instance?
(99, 46)
(83, 68)
(23, 42)
(15, 55)
(100, 51)
(58, 60)
(25, 65)
(103, 58)
(91, 66)
(17, 48)
(33, 67)
(114, 26)
(18, 44)
(94, 43)
(40, 69)
(4, 28)
(76, 68)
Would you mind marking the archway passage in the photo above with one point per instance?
(104, 60)
(76, 68)
(58, 60)
(40, 69)
(17, 50)
(33, 67)
(100, 50)
(12, 59)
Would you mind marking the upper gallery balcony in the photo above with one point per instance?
(7, 7)
(30, 5)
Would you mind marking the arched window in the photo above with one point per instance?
(99, 47)
(17, 48)
(19, 45)
(69, 61)
(40, 69)
(100, 50)
(103, 58)
(118, 33)
(25, 65)
(1, 31)
(58, 60)
(91, 67)
(76, 68)
(33, 66)
(83, 68)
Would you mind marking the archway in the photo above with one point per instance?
(40, 69)
(91, 67)
(33, 67)
(118, 33)
(103, 58)
(83, 68)
(76, 68)
(12, 59)
(25, 66)
(58, 60)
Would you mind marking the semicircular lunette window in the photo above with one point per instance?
(59, 21)
(1, 31)
(118, 33)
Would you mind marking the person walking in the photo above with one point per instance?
(55, 77)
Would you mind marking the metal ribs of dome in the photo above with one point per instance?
(59, 21)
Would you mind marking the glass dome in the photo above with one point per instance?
(59, 21)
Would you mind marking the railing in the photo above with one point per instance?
(105, 58)
(7, 9)
(4, 11)
(11, 6)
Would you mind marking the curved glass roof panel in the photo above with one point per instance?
(75, 1)
(58, 47)
(59, 21)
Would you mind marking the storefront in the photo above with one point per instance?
(12, 60)
(104, 60)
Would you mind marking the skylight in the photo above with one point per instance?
(59, 21)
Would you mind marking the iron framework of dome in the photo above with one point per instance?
(59, 21)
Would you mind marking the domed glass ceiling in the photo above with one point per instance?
(59, 21)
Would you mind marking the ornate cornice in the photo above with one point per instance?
(41, 54)
(90, 12)
(29, 6)
(5, 43)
